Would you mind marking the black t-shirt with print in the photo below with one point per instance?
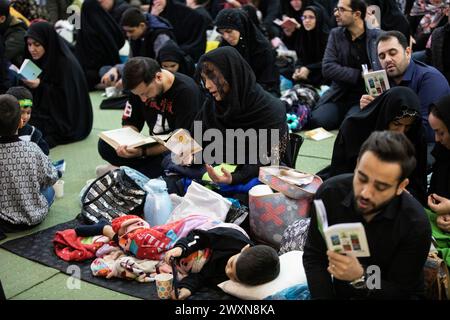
(176, 108)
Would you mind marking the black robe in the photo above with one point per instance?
(391, 16)
(62, 107)
(120, 6)
(440, 180)
(170, 51)
(375, 117)
(98, 41)
(189, 27)
(310, 47)
(245, 106)
(253, 47)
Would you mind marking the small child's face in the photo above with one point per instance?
(230, 268)
(25, 116)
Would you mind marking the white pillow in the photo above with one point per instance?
(291, 274)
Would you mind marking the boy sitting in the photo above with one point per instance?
(26, 174)
(26, 131)
(232, 257)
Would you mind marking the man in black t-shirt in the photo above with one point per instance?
(164, 101)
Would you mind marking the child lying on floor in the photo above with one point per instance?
(230, 254)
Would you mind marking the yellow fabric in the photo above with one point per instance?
(218, 170)
(18, 15)
(211, 45)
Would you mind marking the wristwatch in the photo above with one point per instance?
(359, 283)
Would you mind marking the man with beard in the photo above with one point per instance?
(429, 83)
(396, 227)
(165, 101)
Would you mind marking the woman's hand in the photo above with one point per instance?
(172, 253)
(365, 100)
(33, 84)
(225, 179)
(183, 293)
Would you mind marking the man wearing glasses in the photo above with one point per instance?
(349, 46)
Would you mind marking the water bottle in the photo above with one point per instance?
(158, 206)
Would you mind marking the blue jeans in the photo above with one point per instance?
(49, 195)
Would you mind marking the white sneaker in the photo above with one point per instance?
(103, 169)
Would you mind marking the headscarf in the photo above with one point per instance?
(99, 38)
(310, 45)
(246, 105)
(440, 180)
(288, 10)
(253, 47)
(63, 110)
(393, 104)
(170, 51)
(189, 27)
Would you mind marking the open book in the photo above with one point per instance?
(179, 141)
(29, 70)
(287, 23)
(376, 81)
(343, 237)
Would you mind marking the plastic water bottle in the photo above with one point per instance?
(158, 206)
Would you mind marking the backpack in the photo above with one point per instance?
(110, 196)
(436, 278)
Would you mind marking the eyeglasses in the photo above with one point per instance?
(308, 18)
(341, 10)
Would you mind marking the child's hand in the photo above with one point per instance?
(175, 253)
(183, 293)
(439, 204)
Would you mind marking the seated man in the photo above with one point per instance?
(349, 46)
(397, 228)
(163, 100)
(427, 82)
(147, 35)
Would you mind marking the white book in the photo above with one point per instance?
(29, 70)
(348, 238)
(376, 82)
(179, 141)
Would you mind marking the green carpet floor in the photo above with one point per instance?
(24, 279)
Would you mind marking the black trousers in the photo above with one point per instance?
(150, 166)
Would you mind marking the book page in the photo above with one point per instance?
(181, 143)
(321, 213)
(318, 134)
(348, 238)
(376, 82)
(125, 136)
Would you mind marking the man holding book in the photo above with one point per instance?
(395, 224)
(429, 84)
(162, 100)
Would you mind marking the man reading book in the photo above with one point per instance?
(427, 82)
(396, 226)
(161, 99)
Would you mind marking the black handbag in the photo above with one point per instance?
(110, 196)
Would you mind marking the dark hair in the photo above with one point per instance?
(137, 70)
(257, 265)
(4, 8)
(132, 17)
(20, 93)
(10, 111)
(359, 5)
(210, 70)
(437, 112)
(391, 147)
(384, 36)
